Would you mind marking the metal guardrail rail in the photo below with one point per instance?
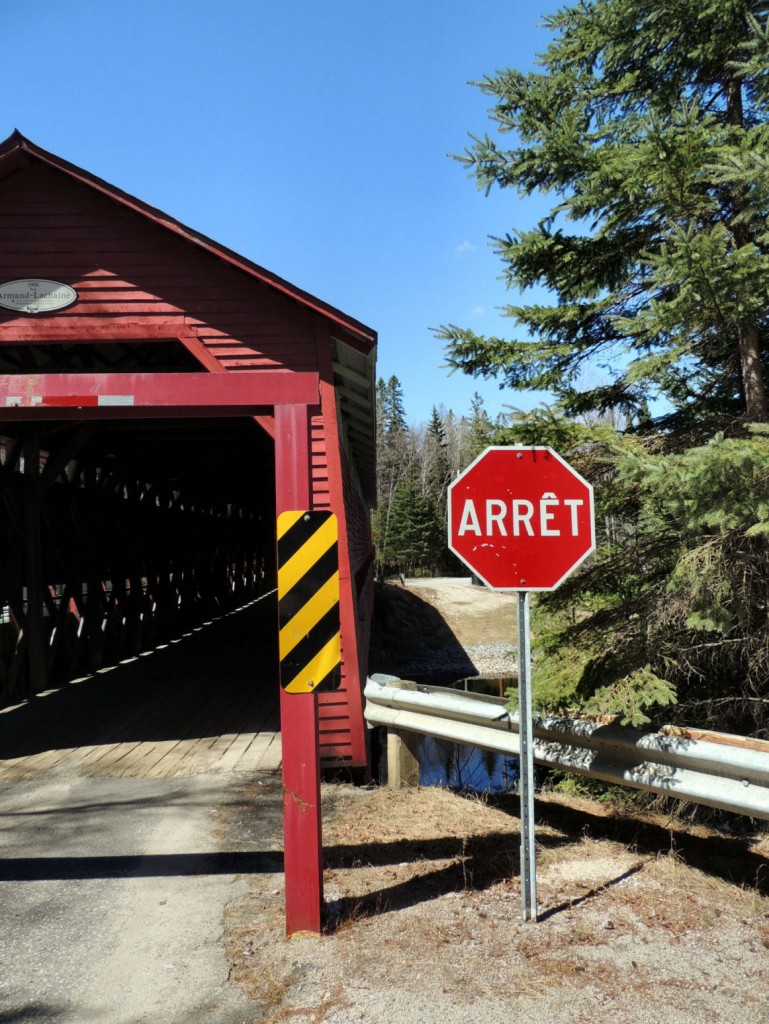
(716, 769)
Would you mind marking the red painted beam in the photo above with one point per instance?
(126, 395)
(302, 836)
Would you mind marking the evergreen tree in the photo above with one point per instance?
(673, 608)
(415, 535)
(438, 478)
(391, 414)
(479, 431)
(647, 122)
(412, 476)
(394, 457)
(436, 462)
(453, 427)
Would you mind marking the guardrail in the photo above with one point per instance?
(716, 769)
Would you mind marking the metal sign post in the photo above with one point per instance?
(522, 519)
(526, 763)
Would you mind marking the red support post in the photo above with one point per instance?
(302, 839)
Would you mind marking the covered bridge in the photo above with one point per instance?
(161, 400)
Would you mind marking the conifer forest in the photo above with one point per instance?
(645, 124)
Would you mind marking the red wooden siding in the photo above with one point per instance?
(321, 498)
(132, 271)
(338, 745)
(341, 710)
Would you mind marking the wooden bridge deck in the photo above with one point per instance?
(205, 703)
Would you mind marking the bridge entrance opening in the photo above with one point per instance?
(118, 539)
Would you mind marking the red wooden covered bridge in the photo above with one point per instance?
(161, 400)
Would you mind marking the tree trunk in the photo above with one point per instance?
(750, 352)
(752, 375)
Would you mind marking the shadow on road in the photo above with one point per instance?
(172, 865)
(219, 679)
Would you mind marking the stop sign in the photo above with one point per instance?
(521, 518)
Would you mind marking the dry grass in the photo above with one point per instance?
(271, 985)
(424, 918)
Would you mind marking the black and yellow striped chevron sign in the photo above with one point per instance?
(308, 601)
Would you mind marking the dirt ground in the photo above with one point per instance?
(641, 917)
(474, 614)
(442, 630)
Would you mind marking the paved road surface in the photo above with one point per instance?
(112, 896)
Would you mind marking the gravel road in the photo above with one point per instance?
(112, 898)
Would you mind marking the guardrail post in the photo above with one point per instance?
(402, 763)
(402, 760)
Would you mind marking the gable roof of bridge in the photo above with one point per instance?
(353, 344)
(16, 150)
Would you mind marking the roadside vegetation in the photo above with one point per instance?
(415, 465)
(647, 124)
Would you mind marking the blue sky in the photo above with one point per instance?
(312, 137)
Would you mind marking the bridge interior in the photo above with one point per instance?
(137, 614)
(204, 702)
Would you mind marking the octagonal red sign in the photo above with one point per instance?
(521, 518)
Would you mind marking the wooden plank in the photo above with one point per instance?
(272, 757)
(236, 751)
(128, 733)
(59, 735)
(187, 749)
(166, 756)
(256, 719)
(263, 754)
(151, 754)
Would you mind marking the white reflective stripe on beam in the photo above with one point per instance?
(116, 400)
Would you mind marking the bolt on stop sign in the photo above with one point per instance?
(521, 518)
